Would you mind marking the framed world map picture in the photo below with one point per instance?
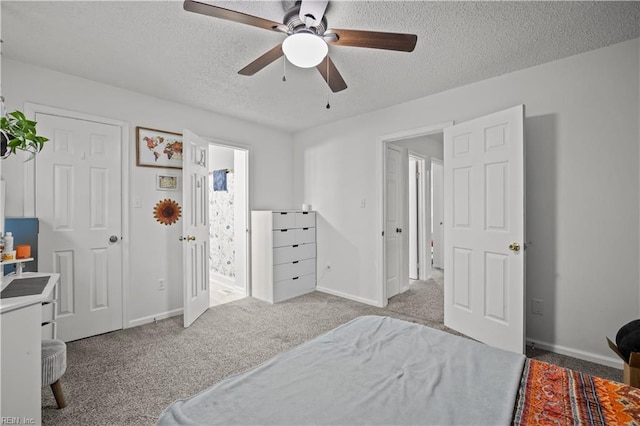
(157, 148)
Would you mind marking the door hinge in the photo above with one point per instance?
(383, 233)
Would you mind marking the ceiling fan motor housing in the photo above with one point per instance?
(294, 23)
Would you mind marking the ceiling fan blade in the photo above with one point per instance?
(374, 40)
(232, 15)
(314, 10)
(334, 80)
(262, 61)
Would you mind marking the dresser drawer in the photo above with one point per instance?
(294, 269)
(305, 235)
(294, 287)
(305, 219)
(284, 220)
(48, 311)
(290, 253)
(284, 237)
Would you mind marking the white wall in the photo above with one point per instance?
(220, 157)
(583, 184)
(155, 249)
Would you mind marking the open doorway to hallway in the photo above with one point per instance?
(228, 212)
(421, 216)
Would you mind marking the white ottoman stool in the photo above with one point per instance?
(54, 364)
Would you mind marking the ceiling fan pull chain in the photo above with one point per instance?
(284, 68)
(328, 85)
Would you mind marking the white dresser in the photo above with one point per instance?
(283, 254)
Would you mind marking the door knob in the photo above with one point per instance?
(113, 239)
(398, 230)
(514, 247)
(187, 238)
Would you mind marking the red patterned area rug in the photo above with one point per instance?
(552, 395)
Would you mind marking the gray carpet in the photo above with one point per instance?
(130, 376)
(424, 300)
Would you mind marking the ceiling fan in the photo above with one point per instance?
(308, 36)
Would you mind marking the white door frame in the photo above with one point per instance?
(382, 146)
(30, 111)
(424, 226)
(247, 149)
(440, 244)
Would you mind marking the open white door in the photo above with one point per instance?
(195, 200)
(484, 229)
(393, 218)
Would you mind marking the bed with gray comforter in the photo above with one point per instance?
(371, 370)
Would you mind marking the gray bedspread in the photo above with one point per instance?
(372, 370)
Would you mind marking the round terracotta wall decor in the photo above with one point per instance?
(167, 212)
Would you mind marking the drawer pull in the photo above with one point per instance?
(305, 229)
(283, 230)
(295, 245)
(283, 212)
(305, 212)
(295, 278)
(295, 261)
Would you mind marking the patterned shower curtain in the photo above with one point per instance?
(221, 228)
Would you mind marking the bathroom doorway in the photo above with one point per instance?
(228, 216)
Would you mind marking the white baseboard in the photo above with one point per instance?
(614, 362)
(151, 318)
(348, 296)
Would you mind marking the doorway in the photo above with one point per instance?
(419, 228)
(228, 212)
(417, 148)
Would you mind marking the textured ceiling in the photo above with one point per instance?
(157, 48)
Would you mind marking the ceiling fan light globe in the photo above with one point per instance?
(305, 50)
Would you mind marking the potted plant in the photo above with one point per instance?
(18, 133)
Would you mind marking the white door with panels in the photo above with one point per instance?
(484, 229)
(393, 221)
(195, 235)
(78, 203)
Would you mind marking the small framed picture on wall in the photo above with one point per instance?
(166, 182)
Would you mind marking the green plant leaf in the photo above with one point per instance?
(21, 133)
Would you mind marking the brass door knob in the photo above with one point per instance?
(514, 247)
(191, 238)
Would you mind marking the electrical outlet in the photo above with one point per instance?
(161, 284)
(537, 306)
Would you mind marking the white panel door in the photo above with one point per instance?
(437, 233)
(393, 219)
(484, 229)
(195, 196)
(78, 202)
